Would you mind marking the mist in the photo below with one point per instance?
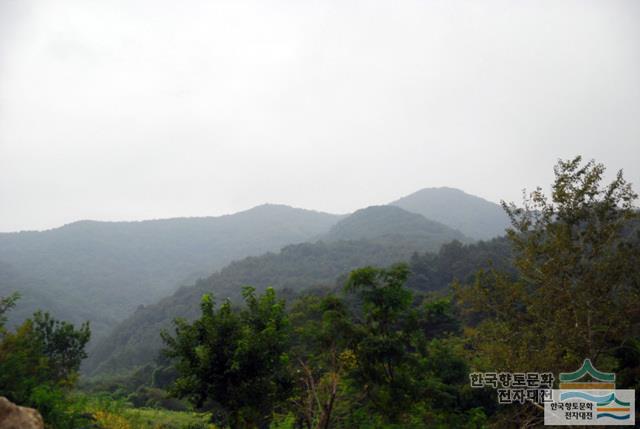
(138, 109)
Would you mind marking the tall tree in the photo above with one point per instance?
(577, 290)
(322, 332)
(383, 337)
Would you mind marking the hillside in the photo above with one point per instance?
(376, 235)
(136, 340)
(475, 217)
(107, 269)
(34, 294)
(389, 225)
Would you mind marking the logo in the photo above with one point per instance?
(604, 380)
(589, 397)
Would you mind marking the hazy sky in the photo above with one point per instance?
(122, 110)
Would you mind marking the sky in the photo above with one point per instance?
(131, 109)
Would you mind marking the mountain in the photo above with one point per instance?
(377, 235)
(390, 225)
(104, 270)
(473, 216)
(137, 340)
(33, 295)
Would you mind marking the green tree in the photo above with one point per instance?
(383, 337)
(322, 332)
(235, 358)
(409, 369)
(41, 351)
(6, 304)
(62, 344)
(577, 290)
(39, 362)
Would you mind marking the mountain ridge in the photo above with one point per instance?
(474, 216)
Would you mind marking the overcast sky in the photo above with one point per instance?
(124, 110)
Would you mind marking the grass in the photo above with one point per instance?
(147, 418)
(117, 414)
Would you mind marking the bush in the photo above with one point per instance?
(58, 410)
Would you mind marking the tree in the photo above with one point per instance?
(39, 362)
(409, 369)
(577, 290)
(62, 344)
(6, 304)
(40, 351)
(237, 359)
(383, 337)
(322, 332)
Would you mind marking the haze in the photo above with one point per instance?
(126, 110)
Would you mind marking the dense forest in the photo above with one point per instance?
(112, 267)
(376, 323)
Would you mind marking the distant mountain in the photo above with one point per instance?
(102, 271)
(378, 235)
(389, 225)
(107, 269)
(473, 216)
(137, 340)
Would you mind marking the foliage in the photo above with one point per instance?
(140, 418)
(301, 267)
(377, 357)
(297, 267)
(383, 337)
(322, 339)
(39, 362)
(234, 358)
(6, 304)
(577, 291)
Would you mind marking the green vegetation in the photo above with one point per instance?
(39, 362)
(577, 291)
(135, 342)
(237, 359)
(111, 413)
(345, 343)
(363, 360)
(101, 271)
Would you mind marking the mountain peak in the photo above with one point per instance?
(472, 215)
(392, 225)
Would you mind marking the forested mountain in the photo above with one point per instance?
(35, 294)
(389, 224)
(136, 341)
(101, 271)
(473, 216)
